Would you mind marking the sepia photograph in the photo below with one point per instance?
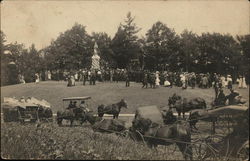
(125, 79)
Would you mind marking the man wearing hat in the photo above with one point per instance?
(221, 99)
(230, 82)
(83, 106)
(71, 105)
(231, 97)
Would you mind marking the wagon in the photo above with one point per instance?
(229, 134)
(78, 100)
(31, 111)
(20, 112)
(69, 113)
(213, 146)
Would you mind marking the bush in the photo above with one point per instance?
(48, 141)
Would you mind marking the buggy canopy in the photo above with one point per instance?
(9, 102)
(229, 110)
(76, 98)
(42, 102)
(149, 112)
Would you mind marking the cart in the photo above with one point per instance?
(31, 110)
(69, 114)
(213, 146)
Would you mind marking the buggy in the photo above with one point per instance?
(32, 111)
(75, 113)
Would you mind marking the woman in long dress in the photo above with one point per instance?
(242, 82)
(37, 77)
(157, 79)
(223, 81)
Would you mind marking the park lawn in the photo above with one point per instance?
(49, 141)
(107, 93)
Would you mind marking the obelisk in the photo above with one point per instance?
(95, 59)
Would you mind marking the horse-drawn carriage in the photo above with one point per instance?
(30, 110)
(149, 128)
(76, 109)
(229, 133)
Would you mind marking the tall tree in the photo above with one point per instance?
(124, 43)
(162, 46)
(188, 50)
(244, 58)
(216, 52)
(71, 50)
(4, 59)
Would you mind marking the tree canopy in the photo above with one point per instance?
(161, 48)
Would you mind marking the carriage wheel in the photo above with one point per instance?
(243, 152)
(137, 136)
(202, 150)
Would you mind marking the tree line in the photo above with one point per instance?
(160, 49)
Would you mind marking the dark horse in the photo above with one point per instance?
(200, 114)
(183, 105)
(44, 113)
(112, 109)
(155, 134)
(72, 115)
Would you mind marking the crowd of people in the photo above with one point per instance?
(149, 79)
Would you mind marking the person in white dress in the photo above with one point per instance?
(242, 82)
(49, 75)
(183, 81)
(157, 80)
(76, 76)
(37, 78)
(223, 81)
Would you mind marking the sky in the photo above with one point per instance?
(41, 21)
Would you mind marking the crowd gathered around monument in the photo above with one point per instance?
(149, 79)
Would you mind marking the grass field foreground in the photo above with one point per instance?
(52, 142)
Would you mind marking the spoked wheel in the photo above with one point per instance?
(243, 152)
(203, 149)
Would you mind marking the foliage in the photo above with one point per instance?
(162, 45)
(48, 141)
(71, 50)
(189, 50)
(124, 44)
(160, 49)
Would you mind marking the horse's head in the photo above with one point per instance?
(123, 103)
(141, 124)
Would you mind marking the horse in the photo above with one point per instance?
(72, 115)
(112, 109)
(44, 113)
(168, 117)
(172, 100)
(155, 134)
(183, 105)
(199, 114)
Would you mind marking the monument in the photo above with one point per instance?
(95, 59)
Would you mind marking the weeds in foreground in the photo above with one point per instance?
(52, 142)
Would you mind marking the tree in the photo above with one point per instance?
(244, 58)
(71, 50)
(124, 43)
(4, 59)
(189, 50)
(216, 53)
(162, 47)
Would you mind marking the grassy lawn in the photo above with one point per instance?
(107, 93)
(52, 142)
